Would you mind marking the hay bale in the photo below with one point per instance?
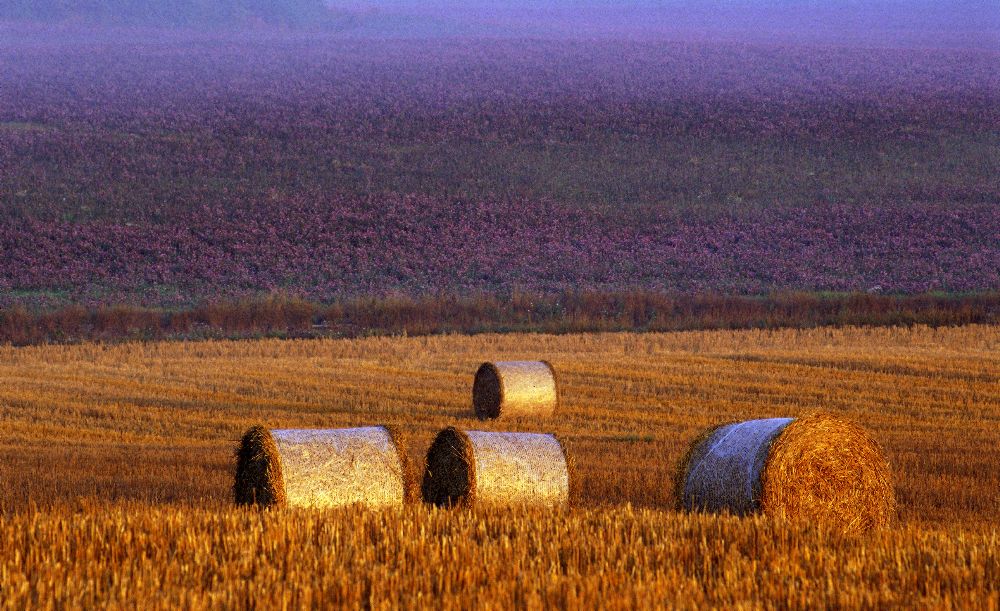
(818, 468)
(515, 388)
(482, 468)
(322, 468)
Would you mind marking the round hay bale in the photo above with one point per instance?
(322, 468)
(515, 388)
(482, 468)
(817, 468)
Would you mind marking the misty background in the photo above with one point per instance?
(971, 23)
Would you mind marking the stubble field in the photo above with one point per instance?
(116, 465)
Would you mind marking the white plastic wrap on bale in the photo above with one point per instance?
(523, 388)
(335, 467)
(519, 468)
(725, 470)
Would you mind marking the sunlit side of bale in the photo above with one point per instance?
(321, 468)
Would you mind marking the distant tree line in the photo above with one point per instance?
(173, 13)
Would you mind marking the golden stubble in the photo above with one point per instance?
(116, 472)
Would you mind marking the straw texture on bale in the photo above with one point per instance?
(483, 468)
(320, 468)
(817, 468)
(515, 388)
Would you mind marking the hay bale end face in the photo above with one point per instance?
(259, 480)
(484, 468)
(817, 468)
(515, 388)
(322, 468)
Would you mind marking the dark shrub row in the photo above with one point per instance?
(280, 316)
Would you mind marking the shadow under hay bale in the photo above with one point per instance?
(323, 468)
(515, 388)
(817, 468)
(483, 468)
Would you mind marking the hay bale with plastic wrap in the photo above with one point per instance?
(481, 468)
(515, 388)
(817, 468)
(322, 468)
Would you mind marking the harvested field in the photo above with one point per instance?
(116, 471)
(170, 556)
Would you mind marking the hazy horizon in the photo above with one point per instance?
(912, 23)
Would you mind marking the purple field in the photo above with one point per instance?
(339, 247)
(166, 170)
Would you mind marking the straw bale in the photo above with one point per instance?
(486, 468)
(817, 468)
(322, 468)
(515, 388)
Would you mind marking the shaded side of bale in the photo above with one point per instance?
(515, 388)
(723, 468)
(823, 468)
(259, 479)
(449, 470)
(694, 450)
(487, 392)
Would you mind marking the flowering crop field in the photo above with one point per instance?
(421, 245)
(171, 169)
(117, 463)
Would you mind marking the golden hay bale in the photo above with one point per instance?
(515, 388)
(818, 468)
(482, 468)
(322, 468)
